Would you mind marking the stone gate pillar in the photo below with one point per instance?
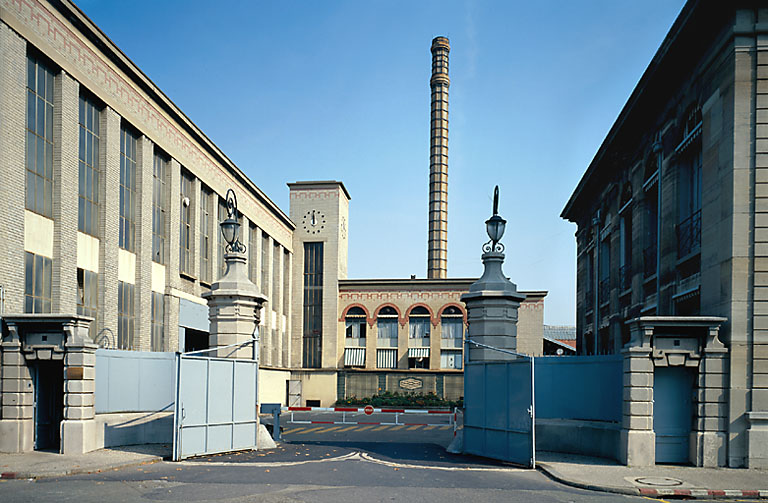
(492, 301)
(234, 302)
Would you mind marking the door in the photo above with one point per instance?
(294, 393)
(499, 410)
(48, 379)
(672, 413)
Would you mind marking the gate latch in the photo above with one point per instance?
(530, 411)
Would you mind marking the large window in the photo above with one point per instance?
(127, 190)
(386, 327)
(38, 273)
(313, 305)
(418, 323)
(39, 142)
(452, 328)
(158, 325)
(159, 205)
(206, 196)
(88, 203)
(185, 231)
(286, 279)
(264, 286)
(221, 244)
(276, 255)
(88, 297)
(125, 316)
(253, 254)
(356, 324)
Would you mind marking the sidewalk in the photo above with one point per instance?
(654, 481)
(37, 464)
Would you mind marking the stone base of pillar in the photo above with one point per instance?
(78, 436)
(757, 440)
(637, 448)
(707, 448)
(265, 440)
(17, 435)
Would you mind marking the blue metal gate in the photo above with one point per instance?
(216, 405)
(499, 410)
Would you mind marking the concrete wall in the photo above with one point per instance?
(318, 385)
(272, 385)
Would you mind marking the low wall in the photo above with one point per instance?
(133, 428)
(588, 438)
(272, 385)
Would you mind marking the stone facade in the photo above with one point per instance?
(669, 212)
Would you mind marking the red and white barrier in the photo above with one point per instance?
(369, 410)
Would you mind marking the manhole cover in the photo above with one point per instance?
(658, 481)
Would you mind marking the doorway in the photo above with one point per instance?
(673, 413)
(48, 382)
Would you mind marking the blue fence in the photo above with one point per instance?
(133, 381)
(579, 387)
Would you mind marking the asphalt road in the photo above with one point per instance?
(405, 463)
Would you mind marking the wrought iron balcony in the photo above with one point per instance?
(689, 235)
(649, 261)
(625, 278)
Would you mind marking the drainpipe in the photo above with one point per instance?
(596, 285)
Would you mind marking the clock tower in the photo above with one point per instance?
(320, 211)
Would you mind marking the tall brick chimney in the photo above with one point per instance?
(437, 260)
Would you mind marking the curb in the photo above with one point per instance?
(76, 471)
(650, 492)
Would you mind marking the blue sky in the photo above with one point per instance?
(311, 90)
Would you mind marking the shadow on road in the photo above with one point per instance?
(405, 453)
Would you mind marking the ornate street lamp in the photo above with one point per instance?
(495, 227)
(230, 227)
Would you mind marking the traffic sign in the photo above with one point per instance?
(368, 410)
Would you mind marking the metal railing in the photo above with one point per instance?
(689, 235)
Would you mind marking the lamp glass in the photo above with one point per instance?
(230, 228)
(495, 227)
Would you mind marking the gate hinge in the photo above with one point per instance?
(530, 411)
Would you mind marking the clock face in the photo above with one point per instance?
(313, 222)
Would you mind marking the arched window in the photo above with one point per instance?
(386, 324)
(452, 327)
(418, 323)
(356, 323)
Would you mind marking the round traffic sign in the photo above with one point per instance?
(368, 410)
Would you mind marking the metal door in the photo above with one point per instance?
(672, 413)
(499, 410)
(216, 406)
(294, 393)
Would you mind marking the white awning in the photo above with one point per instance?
(354, 357)
(418, 352)
(386, 358)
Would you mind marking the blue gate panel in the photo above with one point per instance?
(498, 399)
(245, 387)
(217, 406)
(220, 392)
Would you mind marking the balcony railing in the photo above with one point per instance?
(649, 261)
(689, 235)
(625, 278)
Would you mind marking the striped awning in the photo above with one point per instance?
(386, 358)
(418, 352)
(354, 357)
